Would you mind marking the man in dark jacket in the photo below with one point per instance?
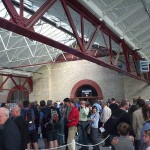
(10, 136)
(22, 126)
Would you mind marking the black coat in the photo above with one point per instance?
(125, 117)
(10, 136)
(23, 129)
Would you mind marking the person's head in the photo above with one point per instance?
(49, 103)
(132, 109)
(26, 103)
(15, 111)
(146, 111)
(124, 129)
(146, 136)
(140, 102)
(72, 103)
(96, 101)
(113, 100)
(124, 104)
(42, 103)
(118, 102)
(103, 103)
(4, 115)
(55, 105)
(66, 101)
(3, 105)
(82, 103)
(20, 104)
(94, 109)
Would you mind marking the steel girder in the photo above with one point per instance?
(27, 81)
(24, 26)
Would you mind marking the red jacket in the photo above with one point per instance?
(73, 117)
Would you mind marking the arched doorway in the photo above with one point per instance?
(86, 89)
(18, 93)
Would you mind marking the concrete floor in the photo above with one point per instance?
(41, 145)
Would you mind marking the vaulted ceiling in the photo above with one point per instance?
(128, 19)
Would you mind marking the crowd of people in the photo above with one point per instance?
(127, 127)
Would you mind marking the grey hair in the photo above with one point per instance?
(17, 108)
(5, 111)
(103, 102)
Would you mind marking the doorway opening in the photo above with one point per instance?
(87, 90)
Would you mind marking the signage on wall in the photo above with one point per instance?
(86, 93)
(143, 66)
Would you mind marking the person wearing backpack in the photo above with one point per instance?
(42, 112)
(51, 118)
(29, 116)
(118, 116)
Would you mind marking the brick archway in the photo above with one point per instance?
(86, 82)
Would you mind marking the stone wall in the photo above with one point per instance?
(66, 75)
(134, 88)
(41, 85)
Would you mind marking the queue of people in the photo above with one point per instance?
(128, 127)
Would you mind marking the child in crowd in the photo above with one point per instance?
(146, 138)
(124, 141)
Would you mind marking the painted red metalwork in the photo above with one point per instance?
(82, 29)
(3, 83)
(135, 60)
(126, 54)
(22, 30)
(149, 74)
(45, 40)
(92, 38)
(92, 19)
(40, 12)
(21, 8)
(27, 80)
(12, 12)
(22, 88)
(72, 25)
(110, 51)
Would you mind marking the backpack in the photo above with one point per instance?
(54, 116)
(29, 117)
(112, 122)
(51, 118)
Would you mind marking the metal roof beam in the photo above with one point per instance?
(35, 36)
(40, 12)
